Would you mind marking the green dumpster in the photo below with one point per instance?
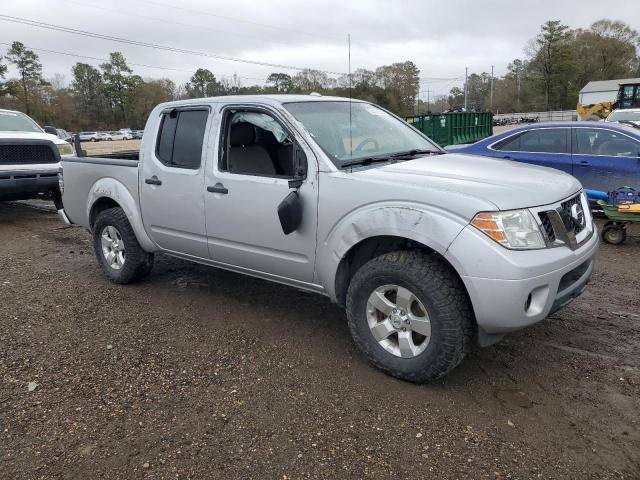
(454, 128)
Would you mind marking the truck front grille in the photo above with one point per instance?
(573, 215)
(16, 154)
(547, 227)
(563, 222)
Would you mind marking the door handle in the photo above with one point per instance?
(507, 157)
(153, 181)
(218, 188)
(584, 163)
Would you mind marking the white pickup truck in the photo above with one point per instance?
(29, 158)
(429, 252)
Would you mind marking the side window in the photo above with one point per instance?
(511, 144)
(181, 137)
(594, 141)
(255, 143)
(542, 140)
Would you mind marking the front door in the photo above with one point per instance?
(172, 183)
(245, 188)
(605, 159)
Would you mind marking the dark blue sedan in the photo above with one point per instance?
(603, 156)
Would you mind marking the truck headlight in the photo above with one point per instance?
(515, 229)
(65, 149)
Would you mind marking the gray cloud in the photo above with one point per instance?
(441, 37)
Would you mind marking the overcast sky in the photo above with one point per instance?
(442, 37)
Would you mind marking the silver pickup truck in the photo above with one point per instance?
(429, 252)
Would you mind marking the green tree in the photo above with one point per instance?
(88, 91)
(203, 83)
(29, 70)
(281, 82)
(118, 83)
(605, 51)
(401, 81)
(552, 63)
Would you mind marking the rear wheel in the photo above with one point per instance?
(410, 315)
(119, 254)
(615, 234)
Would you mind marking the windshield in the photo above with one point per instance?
(17, 122)
(621, 116)
(362, 131)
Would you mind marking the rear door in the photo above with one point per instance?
(172, 182)
(605, 159)
(547, 147)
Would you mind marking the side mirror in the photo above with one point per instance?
(290, 212)
(51, 130)
(299, 167)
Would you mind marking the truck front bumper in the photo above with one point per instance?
(19, 184)
(512, 289)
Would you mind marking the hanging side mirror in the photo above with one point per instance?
(290, 212)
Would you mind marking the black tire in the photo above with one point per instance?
(614, 234)
(137, 262)
(443, 294)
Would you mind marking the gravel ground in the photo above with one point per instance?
(202, 373)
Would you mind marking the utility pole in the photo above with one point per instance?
(518, 90)
(466, 76)
(428, 107)
(491, 88)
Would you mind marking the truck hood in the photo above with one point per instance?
(506, 184)
(30, 136)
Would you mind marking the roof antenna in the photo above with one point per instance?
(350, 134)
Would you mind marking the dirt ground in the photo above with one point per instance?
(105, 146)
(201, 373)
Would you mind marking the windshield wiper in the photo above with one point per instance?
(416, 151)
(630, 122)
(365, 161)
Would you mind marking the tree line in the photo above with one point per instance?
(558, 62)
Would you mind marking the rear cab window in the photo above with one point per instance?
(181, 137)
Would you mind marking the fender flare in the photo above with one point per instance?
(432, 227)
(111, 188)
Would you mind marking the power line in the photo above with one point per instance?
(191, 25)
(239, 20)
(88, 57)
(275, 27)
(49, 26)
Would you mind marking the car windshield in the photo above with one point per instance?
(17, 122)
(352, 131)
(621, 116)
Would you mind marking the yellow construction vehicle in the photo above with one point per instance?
(598, 99)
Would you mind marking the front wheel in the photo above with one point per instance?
(410, 315)
(119, 254)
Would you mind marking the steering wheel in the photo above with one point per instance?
(364, 142)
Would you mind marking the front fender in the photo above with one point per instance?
(430, 226)
(111, 188)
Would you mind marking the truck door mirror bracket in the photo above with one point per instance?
(299, 167)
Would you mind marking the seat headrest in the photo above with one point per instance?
(242, 133)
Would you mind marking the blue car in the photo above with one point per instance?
(603, 156)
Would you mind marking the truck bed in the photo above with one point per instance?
(86, 177)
